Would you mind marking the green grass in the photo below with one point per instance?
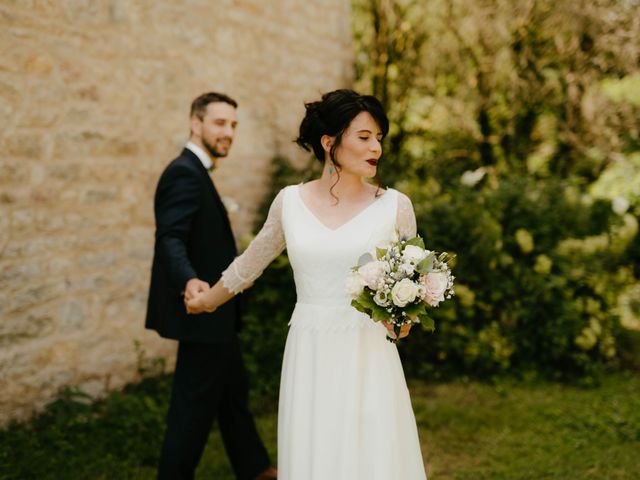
(542, 431)
(469, 430)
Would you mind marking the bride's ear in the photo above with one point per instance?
(327, 142)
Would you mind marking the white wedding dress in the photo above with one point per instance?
(344, 410)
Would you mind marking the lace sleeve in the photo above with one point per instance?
(406, 218)
(266, 246)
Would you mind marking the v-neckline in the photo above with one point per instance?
(344, 224)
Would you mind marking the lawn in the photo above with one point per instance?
(469, 430)
(543, 431)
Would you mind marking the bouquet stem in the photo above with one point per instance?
(396, 330)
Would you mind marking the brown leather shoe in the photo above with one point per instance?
(269, 474)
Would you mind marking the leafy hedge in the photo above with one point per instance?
(540, 269)
(117, 435)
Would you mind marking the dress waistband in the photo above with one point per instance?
(330, 317)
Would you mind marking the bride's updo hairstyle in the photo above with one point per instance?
(332, 115)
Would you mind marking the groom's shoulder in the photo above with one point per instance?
(184, 160)
(182, 164)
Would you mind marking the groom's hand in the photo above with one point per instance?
(198, 304)
(194, 287)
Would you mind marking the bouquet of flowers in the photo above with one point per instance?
(400, 283)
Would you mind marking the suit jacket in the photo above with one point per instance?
(193, 239)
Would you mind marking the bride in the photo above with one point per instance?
(344, 409)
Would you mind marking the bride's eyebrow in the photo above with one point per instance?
(367, 131)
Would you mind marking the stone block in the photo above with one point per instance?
(43, 244)
(72, 315)
(23, 145)
(13, 171)
(38, 63)
(5, 231)
(18, 328)
(90, 11)
(100, 195)
(18, 273)
(86, 283)
(35, 296)
(125, 276)
(23, 219)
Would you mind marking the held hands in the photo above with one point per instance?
(208, 299)
(194, 296)
(194, 287)
(198, 304)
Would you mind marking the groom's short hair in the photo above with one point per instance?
(199, 105)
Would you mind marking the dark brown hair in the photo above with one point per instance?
(332, 115)
(199, 105)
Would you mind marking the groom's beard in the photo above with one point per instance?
(217, 152)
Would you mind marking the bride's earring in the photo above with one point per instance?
(331, 170)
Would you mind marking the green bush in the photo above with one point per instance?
(540, 268)
(77, 437)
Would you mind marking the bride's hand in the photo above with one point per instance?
(198, 303)
(404, 330)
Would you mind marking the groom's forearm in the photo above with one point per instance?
(177, 201)
(173, 255)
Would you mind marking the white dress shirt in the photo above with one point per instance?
(201, 154)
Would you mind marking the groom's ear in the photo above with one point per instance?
(196, 126)
(327, 142)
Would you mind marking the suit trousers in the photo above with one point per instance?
(210, 382)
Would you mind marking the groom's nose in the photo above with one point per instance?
(229, 130)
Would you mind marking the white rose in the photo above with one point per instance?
(354, 285)
(413, 254)
(372, 274)
(435, 284)
(404, 292)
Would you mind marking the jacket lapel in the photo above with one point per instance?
(217, 200)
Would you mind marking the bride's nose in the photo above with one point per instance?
(376, 146)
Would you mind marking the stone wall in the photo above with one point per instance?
(94, 98)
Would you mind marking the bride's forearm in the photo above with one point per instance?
(216, 296)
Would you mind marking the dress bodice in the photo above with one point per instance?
(321, 257)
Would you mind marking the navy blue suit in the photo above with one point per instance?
(194, 240)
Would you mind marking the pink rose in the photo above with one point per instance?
(435, 284)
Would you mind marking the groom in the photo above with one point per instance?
(193, 245)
